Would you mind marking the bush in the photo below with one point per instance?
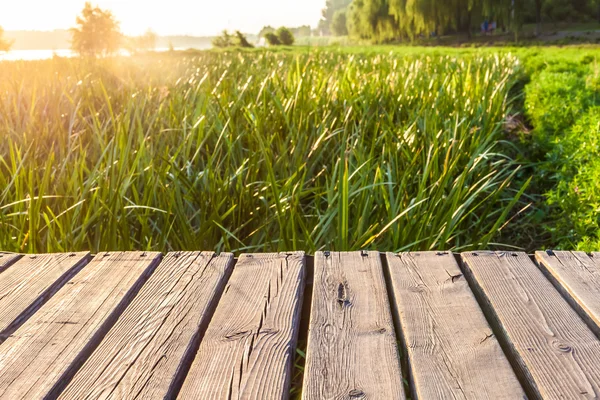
(272, 39)
(225, 40)
(241, 41)
(286, 37)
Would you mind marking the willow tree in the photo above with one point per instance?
(371, 19)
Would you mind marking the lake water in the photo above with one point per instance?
(14, 55)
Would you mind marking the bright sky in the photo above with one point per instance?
(166, 17)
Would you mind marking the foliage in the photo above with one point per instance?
(265, 30)
(255, 151)
(272, 39)
(385, 20)
(285, 36)
(327, 23)
(238, 39)
(97, 32)
(338, 25)
(5, 44)
(562, 104)
(223, 41)
(241, 41)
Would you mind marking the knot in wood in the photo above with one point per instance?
(565, 348)
(342, 297)
(356, 394)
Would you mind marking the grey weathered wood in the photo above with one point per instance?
(249, 346)
(39, 358)
(556, 354)
(149, 348)
(8, 259)
(577, 276)
(352, 351)
(29, 282)
(452, 352)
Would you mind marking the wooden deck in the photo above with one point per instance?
(196, 325)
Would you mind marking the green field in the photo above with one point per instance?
(386, 147)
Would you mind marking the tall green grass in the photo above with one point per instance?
(255, 151)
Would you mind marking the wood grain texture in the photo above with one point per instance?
(553, 350)
(8, 259)
(249, 346)
(149, 348)
(452, 352)
(577, 276)
(40, 357)
(352, 351)
(26, 284)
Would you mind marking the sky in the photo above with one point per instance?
(165, 17)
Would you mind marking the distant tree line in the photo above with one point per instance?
(383, 20)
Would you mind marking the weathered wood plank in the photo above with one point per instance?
(553, 350)
(40, 357)
(452, 352)
(29, 282)
(352, 351)
(248, 348)
(149, 348)
(8, 259)
(577, 277)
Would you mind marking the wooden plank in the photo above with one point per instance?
(40, 357)
(28, 283)
(8, 259)
(452, 352)
(553, 350)
(352, 351)
(249, 346)
(150, 347)
(577, 276)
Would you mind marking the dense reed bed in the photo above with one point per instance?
(255, 151)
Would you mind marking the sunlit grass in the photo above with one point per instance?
(255, 151)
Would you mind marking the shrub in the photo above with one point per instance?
(272, 39)
(241, 41)
(286, 37)
(225, 40)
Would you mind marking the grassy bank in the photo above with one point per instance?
(256, 151)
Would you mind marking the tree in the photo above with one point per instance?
(225, 40)
(241, 41)
(265, 30)
(5, 44)
(328, 13)
(97, 32)
(338, 24)
(285, 36)
(538, 16)
(238, 39)
(272, 39)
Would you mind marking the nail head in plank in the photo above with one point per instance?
(554, 351)
(452, 352)
(40, 357)
(352, 351)
(145, 352)
(577, 277)
(248, 348)
(29, 282)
